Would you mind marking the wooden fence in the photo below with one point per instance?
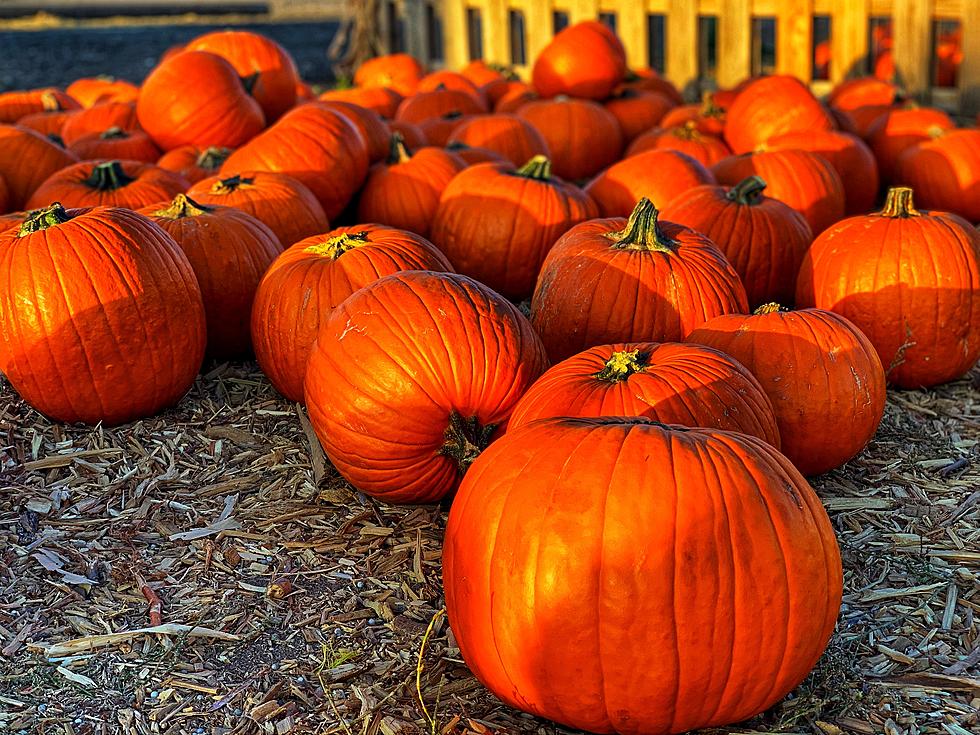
(699, 44)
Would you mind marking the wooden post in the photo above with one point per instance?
(454, 34)
(970, 68)
(537, 26)
(631, 25)
(496, 31)
(580, 10)
(682, 44)
(794, 39)
(912, 47)
(416, 30)
(734, 42)
(848, 39)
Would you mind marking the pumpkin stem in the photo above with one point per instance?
(642, 231)
(688, 131)
(334, 247)
(212, 157)
(622, 364)
(747, 191)
(108, 176)
(709, 108)
(898, 203)
(114, 133)
(538, 168)
(57, 140)
(771, 308)
(50, 102)
(453, 115)
(183, 206)
(42, 219)
(230, 185)
(249, 82)
(398, 152)
(465, 439)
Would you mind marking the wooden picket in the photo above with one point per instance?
(850, 23)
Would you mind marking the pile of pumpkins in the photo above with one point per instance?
(566, 304)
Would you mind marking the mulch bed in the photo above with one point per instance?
(207, 571)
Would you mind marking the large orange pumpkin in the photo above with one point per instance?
(909, 280)
(130, 184)
(370, 125)
(27, 158)
(763, 238)
(399, 72)
(861, 101)
(771, 106)
(194, 163)
(496, 223)
(637, 110)
(437, 103)
(584, 60)
(101, 316)
(403, 398)
(514, 138)
(97, 118)
(197, 98)
(945, 172)
(824, 378)
(311, 278)
(897, 130)
(673, 383)
(641, 280)
(621, 576)
(116, 143)
(704, 148)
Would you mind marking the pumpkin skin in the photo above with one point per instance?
(582, 136)
(404, 191)
(481, 73)
(399, 72)
(861, 101)
(90, 91)
(422, 394)
(641, 280)
(411, 134)
(496, 223)
(197, 98)
(909, 280)
(445, 79)
(894, 132)
(317, 145)
(266, 66)
(130, 184)
(437, 131)
(672, 383)
(763, 238)
(121, 332)
(945, 173)
(47, 123)
(705, 149)
(658, 174)
(584, 60)
(514, 97)
(570, 532)
(472, 156)
(771, 106)
(708, 117)
(311, 278)
(118, 144)
(194, 163)
(822, 374)
(372, 128)
(280, 202)
(18, 104)
(514, 138)
(27, 158)
(648, 80)
(382, 100)
(4, 197)
(435, 104)
(803, 180)
(98, 118)
(637, 110)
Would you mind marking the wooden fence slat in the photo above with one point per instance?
(912, 47)
(734, 42)
(970, 68)
(682, 43)
(794, 39)
(416, 28)
(631, 24)
(580, 10)
(848, 39)
(538, 25)
(496, 31)
(455, 34)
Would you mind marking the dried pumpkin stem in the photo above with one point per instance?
(465, 439)
(642, 231)
(538, 168)
(42, 219)
(747, 191)
(108, 176)
(898, 203)
(231, 184)
(398, 152)
(334, 247)
(688, 131)
(622, 364)
(212, 157)
(771, 308)
(183, 206)
(114, 133)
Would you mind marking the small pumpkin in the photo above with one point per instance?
(382, 100)
(897, 130)
(130, 184)
(945, 172)
(399, 72)
(47, 123)
(194, 163)
(438, 131)
(98, 118)
(372, 128)
(703, 148)
(648, 80)
(27, 159)
(583, 60)
(637, 110)
(708, 117)
(90, 91)
(445, 79)
(861, 101)
(20, 103)
(437, 103)
(411, 134)
(771, 106)
(514, 138)
(116, 143)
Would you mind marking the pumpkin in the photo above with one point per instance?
(770, 106)
(402, 398)
(472, 156)
(613, 280)
(404, 191)
(582, 137)
(47, 123)
(763, 238)
(101, 318)
(229, 251)
(708, 117)
(897, 130)
(861, 101)
(514, 138)
(283, 204)
(445, 79)
(496, 223)
(369, 123)
(637, 110)
(311, 278)
(11, 220)
(803, 180)
(648, 80)
(481, 73)
(197, 98)
(438, 131)
(399, 72)
(673, 383)
(658, 174)
(382, 100)
(411, 134)
(4, 197)
(621, 576)
(849, 155)
(266, 67)
(822, 374)
(315, 144)
(90, 91)
(514, 97)
(909, 280)
(583, 60)
(194, 163)
(27, 158)
(945, 172)
(436, 104)
(703, 148)
(130, 184)
(116, 143)
(18, 104)
(98, 118)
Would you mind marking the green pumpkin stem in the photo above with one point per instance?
(622, 364)
(183, 206)
(398, 152)
(114, 133)
(709, 108)
(212, 157)
(334, 247)
(771, 308)
(465, 439)
(747, 191)
(898, 203)
(108, 176)
(538, 168)
(688, 131)
(642, 231)
(42, 219)
(230, 184)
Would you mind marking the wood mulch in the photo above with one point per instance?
(206, 571)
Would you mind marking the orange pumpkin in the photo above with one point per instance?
(18, 104)
(437, 103)
(399, 72)
(584, 60)
(637, 110)
(382, 100)
(99, 117)
(27, 158)
(945, 172)
(704, 148)
(193, 162)
(514, 138)
(861, 101)
(90, 91)
(47, 123)
(369, 123)
(708, 117)
(438, 131)
(771, 106)
(445, 79)
(115, 143)
(897, 130)
(130, 184)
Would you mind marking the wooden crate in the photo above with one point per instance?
(500, 35)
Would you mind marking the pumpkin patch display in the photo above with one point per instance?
(402, 397)
(311, 278)
(638, 280)
(585, 559)
(101, 317)
(130, 184)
